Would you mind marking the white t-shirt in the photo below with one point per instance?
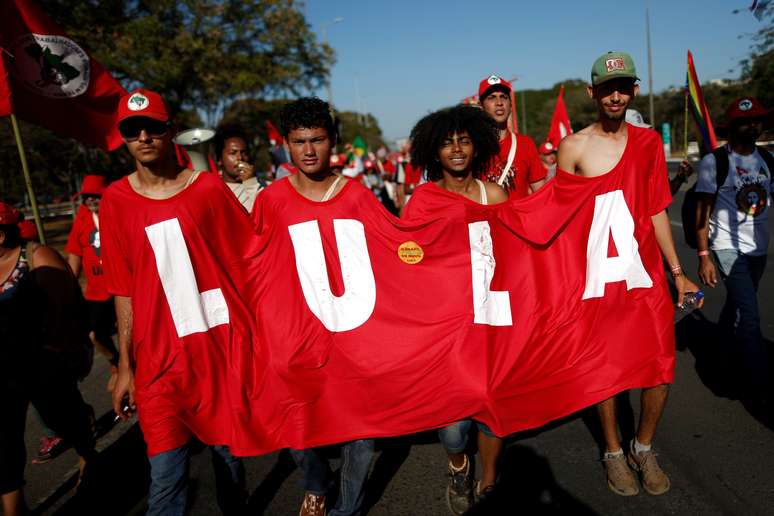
(740, 218)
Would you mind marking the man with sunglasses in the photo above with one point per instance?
(632, 159)
(183, 325)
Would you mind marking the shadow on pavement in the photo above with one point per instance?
(115, 484)
(263, 494)
(527, 486)
(716, 365)
(394, 452)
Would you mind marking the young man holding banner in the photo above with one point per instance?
(634, 157)
(183, 327)
(309, 129)
(454, 146)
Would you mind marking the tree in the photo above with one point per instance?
(200, 54)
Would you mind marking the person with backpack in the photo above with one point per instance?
(733, 193)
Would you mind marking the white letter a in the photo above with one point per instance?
(612, 216)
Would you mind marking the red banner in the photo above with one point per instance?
(371, 326)
(515, 315)
(52, 81)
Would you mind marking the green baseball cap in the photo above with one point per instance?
(613, 65)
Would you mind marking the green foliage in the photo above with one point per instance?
(204, 56)
(356, 124)
(200, 54)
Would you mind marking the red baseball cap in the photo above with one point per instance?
(491, 82)
(546, 148)
(142, 102)
(9, 214)
(28, 231)
(338, 160)
(92, 185)
(746, 107)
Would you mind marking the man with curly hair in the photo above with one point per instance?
(454, 146)
(309, 128)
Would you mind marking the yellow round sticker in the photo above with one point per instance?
(410, 252)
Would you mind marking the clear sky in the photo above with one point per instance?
(407, 58)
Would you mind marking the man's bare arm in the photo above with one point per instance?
(74, 261)
(568, 154)
(125, 382)
(707, 272)
(666, 243)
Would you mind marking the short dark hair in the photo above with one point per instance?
(429, 133)
(307, 112)
(225, 133)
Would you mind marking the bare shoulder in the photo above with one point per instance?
(44, 256)
(570, 149)
(495, 193)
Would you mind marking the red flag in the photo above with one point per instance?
(273, 133)
(560, 122)
(5, 94)
(52, 81)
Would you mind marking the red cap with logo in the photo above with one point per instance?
(92, 185)
(338, 160)
(491, 82)
(9, 215)
(142, 102)
(546, 148)
(746, 107)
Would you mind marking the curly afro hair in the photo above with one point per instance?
(308, 113)
(429, 133)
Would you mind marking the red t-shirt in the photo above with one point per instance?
(84, 241)
(182, 261)
(525, 169)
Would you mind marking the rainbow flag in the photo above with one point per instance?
(698, 107)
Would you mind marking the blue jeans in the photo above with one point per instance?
(168, 494)
(454, 437)
(740, 316)
(356, 459)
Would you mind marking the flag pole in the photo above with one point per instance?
(27, 180)
(685, 124)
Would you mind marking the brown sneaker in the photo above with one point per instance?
(313, 505)
(620, 479)
(653, 478)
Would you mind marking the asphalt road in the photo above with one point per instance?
(717, 451)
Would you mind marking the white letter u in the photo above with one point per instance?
(355, 306)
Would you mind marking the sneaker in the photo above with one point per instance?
(459, 491)
(313, 505)
(653, 478)
(50, 447)
(620, 479)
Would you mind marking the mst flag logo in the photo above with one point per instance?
(616, 63)
(50, 65)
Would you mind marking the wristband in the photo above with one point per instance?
(703, 253)
(676, 271)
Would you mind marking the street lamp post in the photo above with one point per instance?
(324, 29)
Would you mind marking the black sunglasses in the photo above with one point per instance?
(131, 128)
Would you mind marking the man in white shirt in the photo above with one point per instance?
(236, 168)
(734, 187)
